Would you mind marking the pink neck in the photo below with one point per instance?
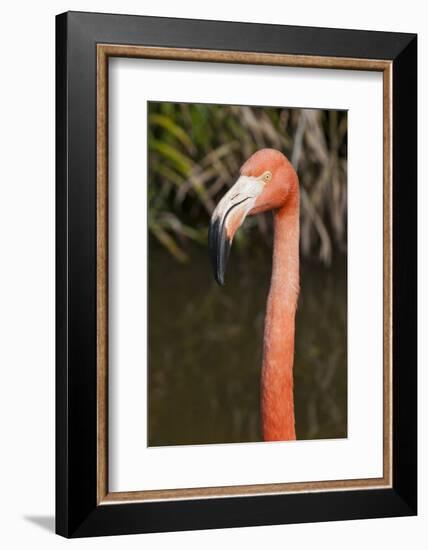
(277, 400)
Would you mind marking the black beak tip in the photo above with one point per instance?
(219, 247)
(219, 277)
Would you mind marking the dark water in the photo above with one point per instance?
(205, 349)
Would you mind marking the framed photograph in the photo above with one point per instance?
(236, 274)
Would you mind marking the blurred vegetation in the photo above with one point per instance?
(196, 150)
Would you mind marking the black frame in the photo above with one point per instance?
(77, 513)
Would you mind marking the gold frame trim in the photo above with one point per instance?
(104, 51)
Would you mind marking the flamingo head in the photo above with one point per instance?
(267, 180)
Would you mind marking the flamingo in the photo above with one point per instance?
(268, 182)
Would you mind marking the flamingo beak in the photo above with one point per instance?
(228, 216)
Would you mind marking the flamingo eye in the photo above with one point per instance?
(266, 177)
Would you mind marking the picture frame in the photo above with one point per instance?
(84, 44)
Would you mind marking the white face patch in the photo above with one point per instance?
(249, 186)
(245, 191)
